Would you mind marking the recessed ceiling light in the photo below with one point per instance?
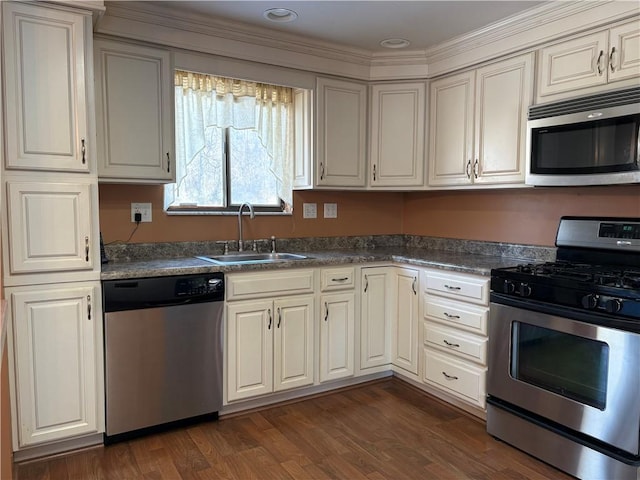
(395, 43)
(280, 15)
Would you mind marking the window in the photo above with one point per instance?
(234, 144)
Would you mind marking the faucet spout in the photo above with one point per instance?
(251, 215)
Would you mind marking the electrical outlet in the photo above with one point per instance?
(330, 210)
(309, 210)
(143, 209)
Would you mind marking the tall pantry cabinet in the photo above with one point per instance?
(50, 230)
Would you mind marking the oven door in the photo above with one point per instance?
(579, 375)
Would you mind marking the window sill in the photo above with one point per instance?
(226, 214)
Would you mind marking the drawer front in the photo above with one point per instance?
(468, 347)
(456, 314)
(268, 284)
(458, 378)
(463, 287)
(337, 279)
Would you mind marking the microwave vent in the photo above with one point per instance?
(584, 104)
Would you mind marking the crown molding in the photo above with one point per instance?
(160, 24)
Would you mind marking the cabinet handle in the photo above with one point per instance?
(270, 319)
(168, 163)
(342, 279)
(366, 283)
(451, 287)
(448, 315)
(83, 149)
(86, 249)
(476, 168)
(374, 173)
(468, 169)
(449, 377)
(279, 317)
(413, 285)
(326, 311)
(611, 65)
(321, 171)
(452, 345)
(88, 307)
(599, 61)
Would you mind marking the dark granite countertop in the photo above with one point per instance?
(464, 262)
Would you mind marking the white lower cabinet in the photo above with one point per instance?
(404, 350)
(269, 345)
(456, 311)
(375, 317)
(57, 355)
(337, 336)
(270, 332)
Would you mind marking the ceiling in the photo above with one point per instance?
(363, 24)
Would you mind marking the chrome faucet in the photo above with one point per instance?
(252, 215)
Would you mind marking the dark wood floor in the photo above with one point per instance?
(382, 430)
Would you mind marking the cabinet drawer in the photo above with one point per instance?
(337, 279)
(268, 284)
(456, 377)
(456, 314)
(454, 285)
(468, 347)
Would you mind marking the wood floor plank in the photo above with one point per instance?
(384, 430)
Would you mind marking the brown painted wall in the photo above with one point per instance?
(527, 216)
(359, 213)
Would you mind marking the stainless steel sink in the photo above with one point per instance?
(251, 257)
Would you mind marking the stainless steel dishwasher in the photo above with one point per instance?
(163, 352)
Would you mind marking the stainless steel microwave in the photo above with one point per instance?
(591, 140)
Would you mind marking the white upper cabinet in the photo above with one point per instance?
(341, 132)
(595, 60)
(478, 124)
(134, 109)
(46, 103)
(396, 155)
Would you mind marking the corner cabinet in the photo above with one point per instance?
(404, 350)
(134, 144)
(375, 317)
(46, 88)
(341, 124)
(57, 332)
(477, 124)
(269, 340)
(396, 152)
(603, 59)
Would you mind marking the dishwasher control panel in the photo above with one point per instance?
(198, 285)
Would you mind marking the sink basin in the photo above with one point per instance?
(251, 257)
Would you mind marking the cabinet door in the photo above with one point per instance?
(624, 52)
(250, 349)
(49, 227)
(134, 105)
(293, 342)
(341, 128)
(375, 317)
(504, 91)
(337, 325)
(397, 135)
(574, 64)
(57, 352)
(451, 130)
(45, 88)
(404, 351)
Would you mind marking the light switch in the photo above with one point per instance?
(330, 210)
(309, 210)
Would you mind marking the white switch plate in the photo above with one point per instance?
(309, 210)
(330, 210)
(142, 208)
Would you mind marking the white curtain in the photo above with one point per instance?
(226, 102)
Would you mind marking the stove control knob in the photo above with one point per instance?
(524, 290)
(613, 306)
(508, 286)
(590, 301)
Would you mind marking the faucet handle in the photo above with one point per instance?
(255, 246)
(226, 245)
(273, 244)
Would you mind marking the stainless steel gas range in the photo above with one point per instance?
(564, 351)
